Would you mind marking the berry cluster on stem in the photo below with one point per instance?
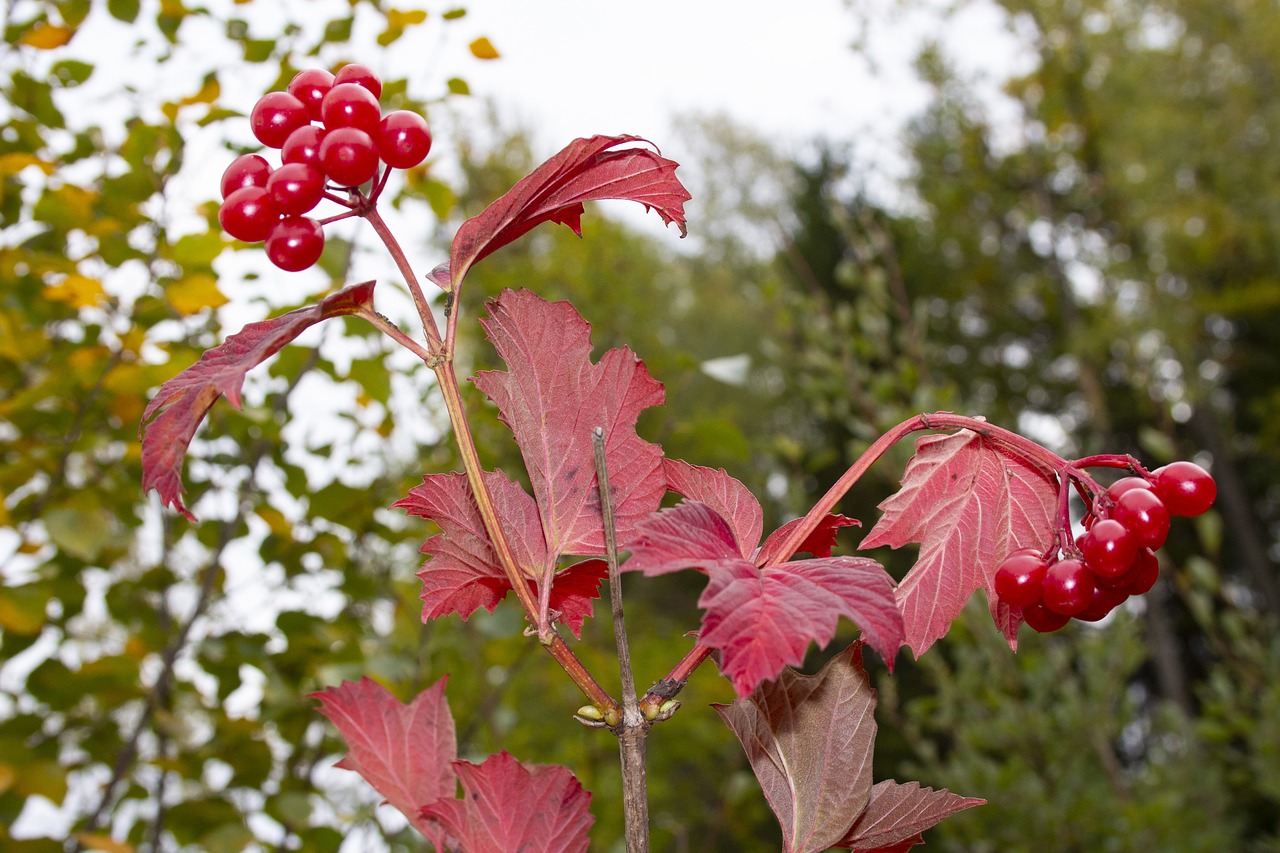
(334, 141)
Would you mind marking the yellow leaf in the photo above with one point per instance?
(103, 843)
(15, 161)
(275, 520)
(398, 18)
(482, 48)
(46, 36)
(78, 291)
(7, 775)
(208, 93)
(195, 293)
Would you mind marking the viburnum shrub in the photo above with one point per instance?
(989, 509)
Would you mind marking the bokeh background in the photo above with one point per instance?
(1063, 215)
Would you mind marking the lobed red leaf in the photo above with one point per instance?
(968, 501)
(184, 400)
(723, 494)
(552, 397)
(585, 170)
(820, 543)
(509, 806)
(810, 739)
(898, 813)
(406, 752)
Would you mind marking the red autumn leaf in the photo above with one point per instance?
(897, 814)
(819, 543)
(463, 574)
(809, 739)
(552, 397)
(585, 170)
(184, 400)
(725, 495)
(406, 752)
(762, 619)
(968, 501)
(509, 806)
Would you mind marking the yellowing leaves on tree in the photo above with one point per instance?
(78, 291)
(195, 293)
(15, 161)
(482, 48)
(103, 843)
(400, 18)
(46, 36)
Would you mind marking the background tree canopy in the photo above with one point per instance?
(1099, 270)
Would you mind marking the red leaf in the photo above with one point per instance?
(809, 739)
(968, 502)
(552, 397)
(897, 814)
(184, 400)
(463, 573)
(819, 543)
(586, 170)
(762, 619)
(406, 752)
(725, 495)
(509, 806)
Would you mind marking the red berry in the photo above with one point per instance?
(1145, 515)
(1185, 488)
(310, 86)
(1124, 484)
(403, 139)
(1104, 601)
(1142, 576)
(248, 214)
(275, 116)
(1043, 619)
(361, 76)
(296, 188)
(1068, 587)
(1019, 577)
(348, 156)
(350, 105)
(303, 145)
(295, 243)
(247, 170)
(1108, 547)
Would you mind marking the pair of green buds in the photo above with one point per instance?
(591, 715)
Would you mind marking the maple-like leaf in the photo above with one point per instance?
(761, 619)
(585, 170)
(968, 501)
(406, 752)
(820, 542)
(809, 739)
(463, 574)
(552, 397)
(723, 494)
(898, 813)
(184, 400)
(509, 806)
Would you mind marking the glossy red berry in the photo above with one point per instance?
(248, 214)
(1145, 515)
(296, 188)
(247, 170)
(1185, 488)
(360, 75)
(310, 86)
(1142, 576)
(1068, 587)
(1019, 577)
(303, 145)
(1104, 601)
(1108, 548)
(275, 116)
(295, 243)
(350, 105)
(403, 139)
(1042, 619)
(1124, 484)
(348, 156)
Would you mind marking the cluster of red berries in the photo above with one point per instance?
(1114, 558)
(331, 133)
